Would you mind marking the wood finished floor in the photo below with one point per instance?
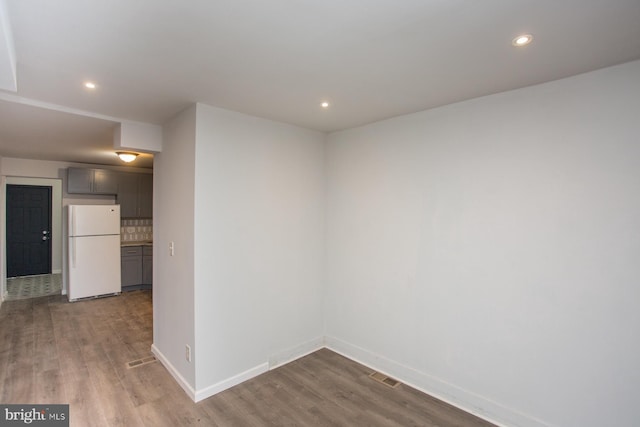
(52, 351)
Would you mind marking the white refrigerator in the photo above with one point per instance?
(93, 251)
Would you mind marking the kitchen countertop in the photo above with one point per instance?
(140, 243)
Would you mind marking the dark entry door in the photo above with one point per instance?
(28, 230)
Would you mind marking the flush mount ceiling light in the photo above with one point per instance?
(522, 40)
(90, 85)
(127, 156)
(324, 104)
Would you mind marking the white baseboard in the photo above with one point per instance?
(278, 359)
(275, 361)
(230, 382)
(465, 400)
(293, 353)
(174, 372)
(57, 271)
(198, 395)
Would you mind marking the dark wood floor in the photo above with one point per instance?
(52, 351)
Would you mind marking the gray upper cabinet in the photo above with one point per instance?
(127, 196)
(105, 181)
(79, 180)
(135, 195)
(145, 195)
(134, 191)
(91, 181)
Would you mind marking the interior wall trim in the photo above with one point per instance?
(462, 399)
(275, 361)
(291, 354)
(174, 372)
(230, 382)
(465, 400)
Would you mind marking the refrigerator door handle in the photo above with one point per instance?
(73, 221)
(72, 242)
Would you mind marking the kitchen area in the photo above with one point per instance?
(130, 261)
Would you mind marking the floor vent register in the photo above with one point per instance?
(141, 362)
(382, 378)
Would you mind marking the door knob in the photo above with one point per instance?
(45, 232)
(45, 238)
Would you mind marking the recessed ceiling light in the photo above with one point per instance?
(522, 40)
(90, 85)
(324, 104)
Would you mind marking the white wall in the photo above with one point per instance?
(259, 245)
(173, 213)
(487, 251)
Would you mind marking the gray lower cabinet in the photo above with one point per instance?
(147, 265)
(136, 266)
(131, 265)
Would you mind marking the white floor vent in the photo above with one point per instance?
(140, 362)
(382, 378)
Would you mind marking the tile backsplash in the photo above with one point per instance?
(136, 230)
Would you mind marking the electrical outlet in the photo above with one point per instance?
(187, 353)
(170, 248)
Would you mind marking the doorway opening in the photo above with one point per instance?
(28, 230)
(32, 243)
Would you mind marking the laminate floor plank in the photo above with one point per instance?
(156, 413)
(256, 398)
(85, 403)
(53, 351)
(291, 407)
(50, 387)
(223, 413)
(354, 379)
(184, 411)
(241, 415)
(118, 411)
(325, 392)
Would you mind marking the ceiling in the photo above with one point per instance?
(278, 59)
